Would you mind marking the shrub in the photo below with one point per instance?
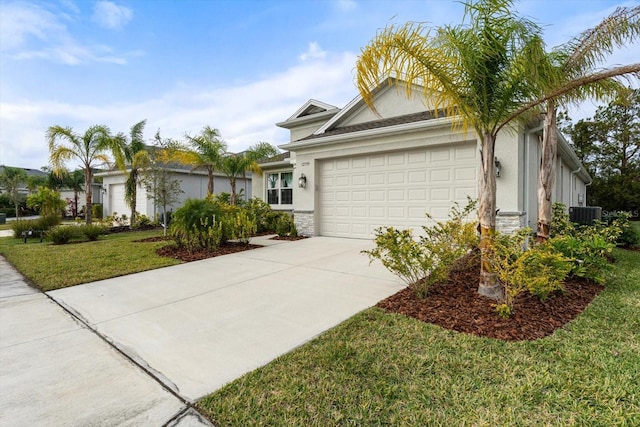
(47, 202)
(423, 262)
(47, 222)
(62, 234)
(285, 225)
(240, 227)
(20, 225)
(44, 223)
(91, 231)
(207, 236)
(96, 211)
(560, 224)
(259, 210)
(540, 269)
(142, 220)
(628, 237)
(588, 254)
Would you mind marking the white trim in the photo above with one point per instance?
(369, 133)
(309, 103)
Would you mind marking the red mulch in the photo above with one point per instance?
(457, 306)
(172, 251)
(153, 239)
(290, 238)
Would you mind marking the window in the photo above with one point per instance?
(279, 188)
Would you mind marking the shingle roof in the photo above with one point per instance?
(375, 124)
(278, 158)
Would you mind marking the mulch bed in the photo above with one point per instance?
(290, 238)
(172, 251)
(457, 306)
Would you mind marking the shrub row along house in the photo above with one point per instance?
(349, 171)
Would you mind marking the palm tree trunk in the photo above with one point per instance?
(210, 183)
(134, 196)
(547, 172)
(489, 285)
(232, 181)
(88, 178)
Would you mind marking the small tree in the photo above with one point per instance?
(237, 165)
(48, 202)
(11, 180)
(90, 149)
(159, 181)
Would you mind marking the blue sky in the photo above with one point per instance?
(237, 65)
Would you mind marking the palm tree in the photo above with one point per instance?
(577, 60)
(89, 149)
(11, 180)
(237, 165)
(75, 182)
(207, 152)
(473, 72)
(136, 158)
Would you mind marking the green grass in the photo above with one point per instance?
(379, 368)
(57, 266)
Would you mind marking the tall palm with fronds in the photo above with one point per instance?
(207, 150)
(577, 60)
(89, 149)
(234, 166)
(136, 158)
(474, 73)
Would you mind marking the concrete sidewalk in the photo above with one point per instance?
(55, 371)
(199, 325)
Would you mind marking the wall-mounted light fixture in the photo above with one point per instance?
(104, 189)
(302, 181)
(497, 163)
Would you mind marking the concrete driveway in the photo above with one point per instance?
(194, 327)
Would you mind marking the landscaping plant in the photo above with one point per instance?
(62, 234)
(428, 259)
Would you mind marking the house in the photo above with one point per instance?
(192, 182)
(351, 170)
(24, 190)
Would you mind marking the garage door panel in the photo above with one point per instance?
(394, 189)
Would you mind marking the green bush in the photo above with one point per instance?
(628, 237)
(538, 269)
(208, 223)
(208, 235)
(423, 262)
(589, 255)
(96, 211)
(285, 226)
(47, 222)
(240, 226)
(91, 231)
(62, 234)
(20, 225)
(259, 210)
(44, 223)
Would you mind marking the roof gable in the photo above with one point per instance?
(312, 107)
(389, 97)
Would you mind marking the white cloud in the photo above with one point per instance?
(313, 52)
(346, 5)
(110, 15)
(30, 32)
(244, 113)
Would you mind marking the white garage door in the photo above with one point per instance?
(119, 205)
(359, 194)
(116, 200)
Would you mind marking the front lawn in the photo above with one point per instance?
(57, 266)
(380, 368)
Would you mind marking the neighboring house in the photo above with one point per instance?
(193, 184)
(362, 171)
(30, 172)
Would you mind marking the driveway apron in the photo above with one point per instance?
(54, 371)
(200, 325)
